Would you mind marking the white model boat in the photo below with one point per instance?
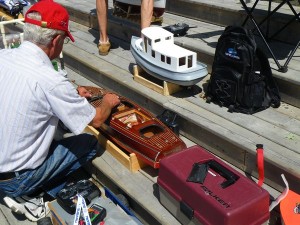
(157, 54)
(158, 5)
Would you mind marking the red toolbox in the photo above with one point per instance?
(198, 188)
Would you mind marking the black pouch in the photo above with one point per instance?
(169, 118)
(198, 173)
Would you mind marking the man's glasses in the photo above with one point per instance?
(67, 40)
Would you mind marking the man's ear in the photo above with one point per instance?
(56, 40)
(53, 46)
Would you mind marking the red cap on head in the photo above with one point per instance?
(54, 16)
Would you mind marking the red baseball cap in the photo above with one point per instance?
(54, 16)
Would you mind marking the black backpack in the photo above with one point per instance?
(241, 77)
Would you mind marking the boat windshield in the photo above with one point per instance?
(151, 130)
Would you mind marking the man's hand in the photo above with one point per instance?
(83, 92)
(111, 100)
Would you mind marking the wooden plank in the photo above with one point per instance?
(162, 87)
(208, 130)
(85, 41)
(141, 190)
(253, 123)
(130, 161)
(135, 185)
(215, 123)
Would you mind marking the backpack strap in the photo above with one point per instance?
(243, 33)
(270, 81)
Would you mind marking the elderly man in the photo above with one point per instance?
(34, 97)
(102, 8)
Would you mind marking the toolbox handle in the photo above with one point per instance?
(230, 177)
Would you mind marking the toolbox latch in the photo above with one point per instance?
(186, 210)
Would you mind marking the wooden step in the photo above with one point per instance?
(140, 187)
(203, 38)
(232, 136)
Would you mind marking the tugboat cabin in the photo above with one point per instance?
(159, 48)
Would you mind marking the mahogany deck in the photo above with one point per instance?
(136, 130)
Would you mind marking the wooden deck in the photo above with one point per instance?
(232, 137)
(140, 186)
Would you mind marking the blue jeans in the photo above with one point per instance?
(65, 156)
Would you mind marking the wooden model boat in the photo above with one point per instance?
(136, 130)
(157, 54)
(133, 6)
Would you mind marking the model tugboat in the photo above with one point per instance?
(157, 54)
(136, 130)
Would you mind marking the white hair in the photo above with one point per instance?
(37, 34)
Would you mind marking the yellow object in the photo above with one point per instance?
(131, 162)
(104, 48)
(162, 87)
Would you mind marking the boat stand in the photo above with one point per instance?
(160, 86)
(130, 161)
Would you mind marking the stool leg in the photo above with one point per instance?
(249, 15)
(291, 55)
(249, 12)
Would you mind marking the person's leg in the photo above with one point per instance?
(146, 13)
(65, 156)
(102, 7)
(104, 44)
(73, 152)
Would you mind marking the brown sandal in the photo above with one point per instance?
(104, 48)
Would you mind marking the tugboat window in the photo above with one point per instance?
(153, 54)
(181, 61)
(168, 60)
(145, 44)
(190, 61)
(162, 58)
(157, 40)
(149, 42)
(168, 38)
